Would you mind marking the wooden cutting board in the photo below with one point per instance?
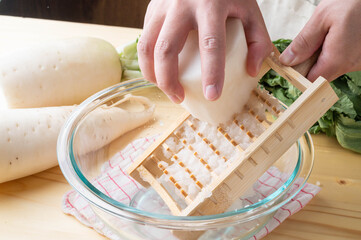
(30, 206)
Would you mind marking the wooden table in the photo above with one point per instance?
(30, 206)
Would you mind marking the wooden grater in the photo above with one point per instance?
(252, 159)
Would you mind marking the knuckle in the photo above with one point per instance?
(144, 47)
(301, 43)
(163, 49)
(332, 65)
(210, 43)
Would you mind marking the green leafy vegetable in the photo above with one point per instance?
(342, 120)
(129, 60)
(348, 133)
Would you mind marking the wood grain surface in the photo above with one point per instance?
(30, 206)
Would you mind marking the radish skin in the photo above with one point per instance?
(28, 136)
(28, 140)
(58, 73)
(106, 123)
(237, 84)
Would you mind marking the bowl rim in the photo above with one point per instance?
(80, 184)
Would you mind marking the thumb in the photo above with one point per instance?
(306, 43)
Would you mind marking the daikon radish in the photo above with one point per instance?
(28, 140)
(109, 122)
(28, 136)
(237, 84)
(58, 73)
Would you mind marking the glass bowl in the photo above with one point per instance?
(137, 217)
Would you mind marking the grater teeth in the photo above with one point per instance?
(253, 114)
(199, 184)
(191, 175)
(180, 163)
(261, 120)
(171, 178)
(205, 164)
(226, 135)
(184, 193)
(267, 102)
(206, 141)
(242, 127)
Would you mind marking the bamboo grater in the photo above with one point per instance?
(249, 160)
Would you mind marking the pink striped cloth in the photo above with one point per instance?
(114, 182)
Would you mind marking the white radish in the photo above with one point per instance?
(237, 85)
(28, 136)
(109, 122)
(57, 73)
(28, 140)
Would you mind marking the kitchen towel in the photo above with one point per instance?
(115, 183)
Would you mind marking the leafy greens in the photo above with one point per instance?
(129, 61)
(342, 120)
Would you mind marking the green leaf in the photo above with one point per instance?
(281, 94)
(282, 44)
(327, 123)
(348, 133)
(356, 77)
(129, 60)
(315, 129)
(354, 88)
(131, 74)
(341, 87)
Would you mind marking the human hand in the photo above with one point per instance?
(335, 27)
(166, 26)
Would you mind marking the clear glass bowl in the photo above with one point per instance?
(135, 219)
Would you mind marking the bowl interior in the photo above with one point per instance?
(99, 173)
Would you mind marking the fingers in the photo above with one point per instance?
(307, 42)
(169, 43)
(146, 46)
(332, 61)
(165, 34)
(212, 44)
(325, 68)
(148, 13)
(258, 41)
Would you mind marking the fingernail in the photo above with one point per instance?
(175, 99)
(211, 92)
(287, 57)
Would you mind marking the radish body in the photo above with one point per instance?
(105, 123)
(28, 140)
(58, 73)
(28, 136)
(237, 84)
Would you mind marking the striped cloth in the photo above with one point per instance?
(115, 183)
